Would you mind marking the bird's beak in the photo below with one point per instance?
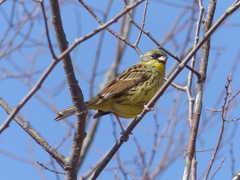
(162, 59)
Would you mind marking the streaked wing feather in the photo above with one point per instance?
(126, 80)
(94, 100)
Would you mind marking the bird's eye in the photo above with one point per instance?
(155, 56)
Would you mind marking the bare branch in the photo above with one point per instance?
(198, 103)
(50, 169)
(219, 167)
(160, 92)
(53, 64)
(43, 143)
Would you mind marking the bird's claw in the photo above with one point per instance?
(148, 109)
(124, 138)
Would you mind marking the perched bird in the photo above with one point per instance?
(127, 94)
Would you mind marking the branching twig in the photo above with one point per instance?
(160, 47)
(47, 31)
(57, 156)
(176, 86)
(224, 112)
(50, 169)
(219, 167)
(227, 101)
(54, 63)
(161, 91)
(110, 30)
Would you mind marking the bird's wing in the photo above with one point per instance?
(129, 78)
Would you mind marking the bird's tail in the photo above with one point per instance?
(72, 110)
(65, 113)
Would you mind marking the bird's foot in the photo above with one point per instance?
(148, 109)
(124, 137)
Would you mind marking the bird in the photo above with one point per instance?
(128, 93)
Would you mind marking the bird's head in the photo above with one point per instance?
(153, 56)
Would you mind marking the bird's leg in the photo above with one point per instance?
(125, 138)
(119, 122)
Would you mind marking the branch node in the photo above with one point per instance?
(201, 78)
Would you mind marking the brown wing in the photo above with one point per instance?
(126, 80)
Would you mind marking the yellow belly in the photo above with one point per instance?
(132, 102)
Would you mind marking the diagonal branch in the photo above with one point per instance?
(26, 127)
(54, 63)
(161, 91)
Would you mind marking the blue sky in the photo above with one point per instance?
(19, 153)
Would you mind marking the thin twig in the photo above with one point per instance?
(232, 159)
(42, 142)
(194, 124)
(47, 31)
(214, 110)
(224, 109)
(50, 169)
(110, 30)
(54, 63)
(161, 91)
(143, 22)
(176, 86)
(219, 167)
(168, 52)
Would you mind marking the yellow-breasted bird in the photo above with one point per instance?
(127, 94)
